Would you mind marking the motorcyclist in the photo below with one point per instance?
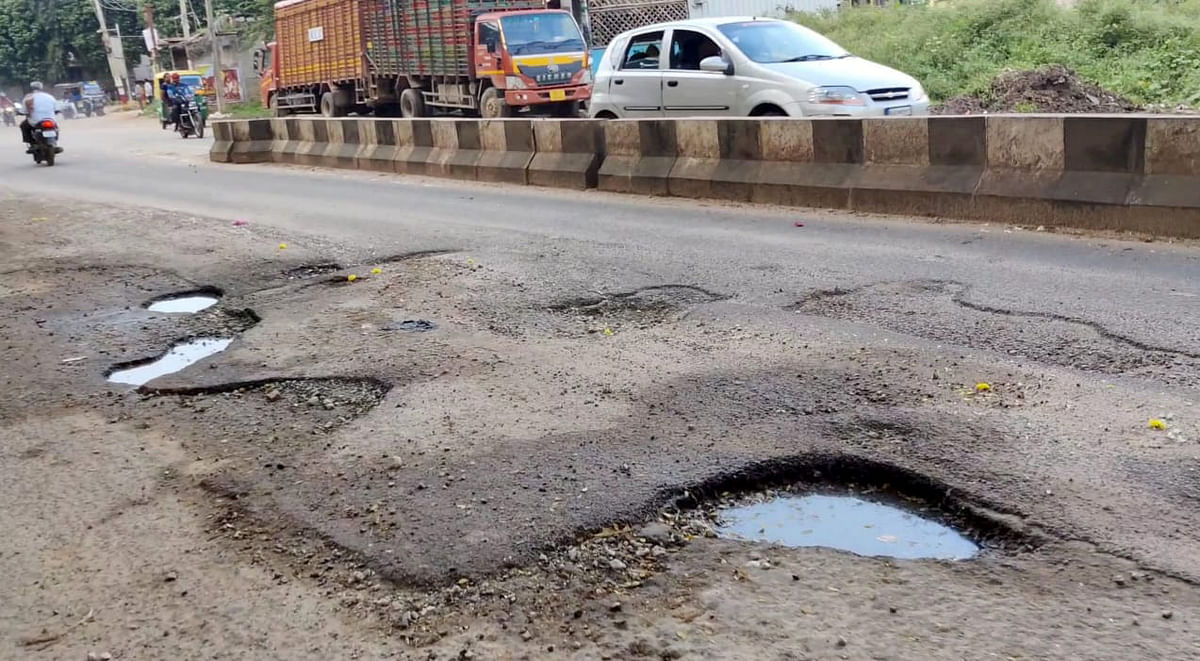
(39, 106)
(180, 93)
(8, 109)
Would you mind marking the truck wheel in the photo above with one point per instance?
(412, 103)
(568, 109)
(492, 105)
(329, 106)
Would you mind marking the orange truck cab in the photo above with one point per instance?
(341, 56)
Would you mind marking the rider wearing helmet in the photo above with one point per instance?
(180, 93)
(39, 106)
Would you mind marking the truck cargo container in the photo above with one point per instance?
(408, 57)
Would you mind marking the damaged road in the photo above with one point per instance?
(461, 439)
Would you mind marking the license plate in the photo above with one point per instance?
(558, 95)
(898, 110)
(49, 134)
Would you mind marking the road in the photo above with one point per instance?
(597, 354)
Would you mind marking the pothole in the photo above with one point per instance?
(640, 307)
(846, 523)
(410, 326)
(311, 270)
(176, 358)
(188, 302)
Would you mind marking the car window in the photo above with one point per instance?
(644, 51)
(615, 48)
(780, 41)
(688, 48)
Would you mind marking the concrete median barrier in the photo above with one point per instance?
(567, 154)
(1128, 172)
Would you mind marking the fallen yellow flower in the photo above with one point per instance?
(352, 277)
(376, 271)
(983, 387)
(608, 331)
(283, 246)
(1155, 423)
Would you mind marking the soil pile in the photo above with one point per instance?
(1050, 89)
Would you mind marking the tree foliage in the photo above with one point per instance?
(44, 39)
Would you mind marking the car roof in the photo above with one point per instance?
(710, 22)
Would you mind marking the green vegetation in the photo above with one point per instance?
(244, 110)
(1147, 50)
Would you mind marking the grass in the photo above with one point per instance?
(1147, 50)
(243, 110)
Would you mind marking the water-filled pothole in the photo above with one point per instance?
(186, 302)
(845, 523)
(178, 357)
(183, 304)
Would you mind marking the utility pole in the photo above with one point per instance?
(187, 30)
(152, 39)
(116, 61)
(218, 78)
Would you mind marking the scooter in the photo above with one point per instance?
(45, 142)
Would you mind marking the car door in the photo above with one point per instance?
(635, 88)
(688, 91)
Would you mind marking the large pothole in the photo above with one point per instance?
(639, 308)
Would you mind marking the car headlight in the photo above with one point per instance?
(514, 83)
(917, 93)
(836, 96)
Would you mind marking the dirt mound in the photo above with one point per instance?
(1050, 89)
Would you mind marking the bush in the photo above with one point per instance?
(1147, 50)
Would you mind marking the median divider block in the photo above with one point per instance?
(638, 156)
(456, 148)
(414, 146)
(1126, 172)
(252, 141)
(507, 149)
(567, 153)
(222, 146)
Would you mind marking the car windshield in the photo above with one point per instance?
(779, 41)
(193, 82)
(541, 33)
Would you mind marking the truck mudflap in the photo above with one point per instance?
(530, 97)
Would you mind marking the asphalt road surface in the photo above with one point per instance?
(593, 358)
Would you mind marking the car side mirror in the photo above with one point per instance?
(717, 64)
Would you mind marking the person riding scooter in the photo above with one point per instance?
(39, 106)
(8, 110)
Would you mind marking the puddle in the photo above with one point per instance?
(847, 524)
(411, 326)
(186, 304)
(179, 357)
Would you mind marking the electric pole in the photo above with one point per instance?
(218, 77)
(187, 30)
(114, 53)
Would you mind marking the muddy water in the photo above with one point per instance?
(179, 357)
(848, 524)
(183, 304)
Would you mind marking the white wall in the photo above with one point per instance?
(773, 8)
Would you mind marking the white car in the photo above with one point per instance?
(744, 67)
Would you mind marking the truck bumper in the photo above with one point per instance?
(533, 97)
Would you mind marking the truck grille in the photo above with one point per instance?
(555, 78)
(886, 94)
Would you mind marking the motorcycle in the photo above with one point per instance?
(191, 121)
(84, 106)
(45, 142)
(10, 117)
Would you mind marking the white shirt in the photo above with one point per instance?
(43, 107)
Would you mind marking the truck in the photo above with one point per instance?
(489, 58)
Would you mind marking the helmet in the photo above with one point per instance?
(174, 77)
(37, 85)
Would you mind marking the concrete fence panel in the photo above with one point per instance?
(798, 171)
(507, 149)
(567, 153)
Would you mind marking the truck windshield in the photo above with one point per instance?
(528, 34)
(780, 41)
